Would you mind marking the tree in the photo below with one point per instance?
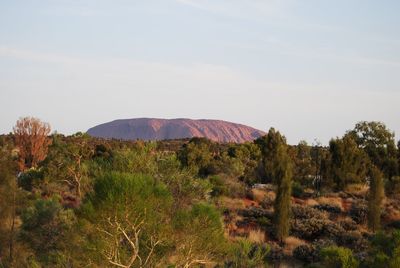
(278, 168)
(271, 148)
(197, 155)
(348, 161)
(379, 143)
(375, 198)
(32, 141)
(303, 166)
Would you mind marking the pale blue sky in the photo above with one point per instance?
(310, 68)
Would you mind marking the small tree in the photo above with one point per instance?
(278, 168)
(31, 138)
(376, 195)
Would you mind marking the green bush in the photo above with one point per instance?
(297, 189)
(338, 257)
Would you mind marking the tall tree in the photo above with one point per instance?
(278, 167)
(31, 138)
(303, 164)
(348, 161)
(375, 198)
(379, 143)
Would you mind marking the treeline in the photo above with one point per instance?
(77, 201)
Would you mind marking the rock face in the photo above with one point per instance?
(164, 129)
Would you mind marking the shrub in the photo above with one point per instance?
(331, 208)
(393, 186)
(308, 223)
(338, 257)
(359, 212)
(45, 226)
(306, 253)
(31, 178)
(348, 224)
(304, 212)
(333, 230)
(297, 189)
(244, 253)
(353, 240)
(308, 228)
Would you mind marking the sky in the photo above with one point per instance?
(311, 69)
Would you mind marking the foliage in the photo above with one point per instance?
(196, 155)
(45, 227)
(32, 141)
(348, 161)
(131, 209)
(338, 257)
(278, 167)
(199, 235)
(359, 212)
(385, 250)
(306, 253)
(297, 189)
(378, 142)
(375, 198)
(243, 253)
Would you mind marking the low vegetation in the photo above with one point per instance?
(78, 201)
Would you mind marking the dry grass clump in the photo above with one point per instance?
(336, 201)
(257, 236)
(258, 195)
(292, 242)
(357, 189)
(311, 202)
(231, 203)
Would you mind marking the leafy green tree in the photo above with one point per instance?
(303, 164)
(272, 147)
(197, 155)
(375, 198)
(338, 257)
(249, 154)
(348, 161)
(278, 168)
(379, 143)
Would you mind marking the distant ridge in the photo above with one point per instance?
(165, 129)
